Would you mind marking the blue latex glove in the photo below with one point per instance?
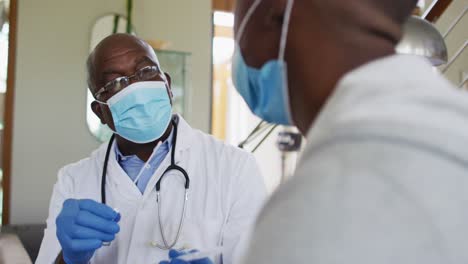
(82, 226)
(173, 254)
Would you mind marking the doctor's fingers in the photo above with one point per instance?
(98, 209)
(82, 245)
(174, 261)
(176, 253)
(179, 261)
(80, 232)
(87, 219)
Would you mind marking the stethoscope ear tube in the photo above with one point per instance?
(104, 170)
(174, 167)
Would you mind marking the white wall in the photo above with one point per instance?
(186, 24)
(49, 117)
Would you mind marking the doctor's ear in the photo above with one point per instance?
(98, 111)
(169, 83)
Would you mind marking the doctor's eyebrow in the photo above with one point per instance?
(112, 72)
(146, 59)
(138, 62)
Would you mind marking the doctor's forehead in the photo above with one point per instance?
(122, 48)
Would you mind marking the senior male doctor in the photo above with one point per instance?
(384, 178)
(158, 184)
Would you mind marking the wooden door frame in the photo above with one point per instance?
(223, 5)
(436, 10)
(8, 114)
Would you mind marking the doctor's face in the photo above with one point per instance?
(121, 56)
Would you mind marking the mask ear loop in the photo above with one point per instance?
(284, 30)
(164, 75)
(104, 103)
(281, 52)
(246, 19)
(101, 102)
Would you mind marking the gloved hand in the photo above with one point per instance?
(82, 226)
(173, 254)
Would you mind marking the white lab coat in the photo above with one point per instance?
(226, 191)
(384, 178)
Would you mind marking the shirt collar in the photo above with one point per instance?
(165, 146)
(361, 88)
(185, 136)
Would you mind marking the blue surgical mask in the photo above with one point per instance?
(141, 112)
(265, 90)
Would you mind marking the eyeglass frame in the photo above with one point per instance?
(129, 78)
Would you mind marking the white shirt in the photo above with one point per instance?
(384, 178)
(226, 192)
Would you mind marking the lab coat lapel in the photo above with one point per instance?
(117, 177)
(183, 144)
(185, 134)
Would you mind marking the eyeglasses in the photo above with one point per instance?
(116, 85)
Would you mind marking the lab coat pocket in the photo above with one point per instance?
(201, 233)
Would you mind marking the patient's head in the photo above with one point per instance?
(326, 39)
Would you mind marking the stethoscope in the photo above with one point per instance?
(172, 167)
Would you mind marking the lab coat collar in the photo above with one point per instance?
(185, 134)
(392, 70)
(398, 96)
(386, 75)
